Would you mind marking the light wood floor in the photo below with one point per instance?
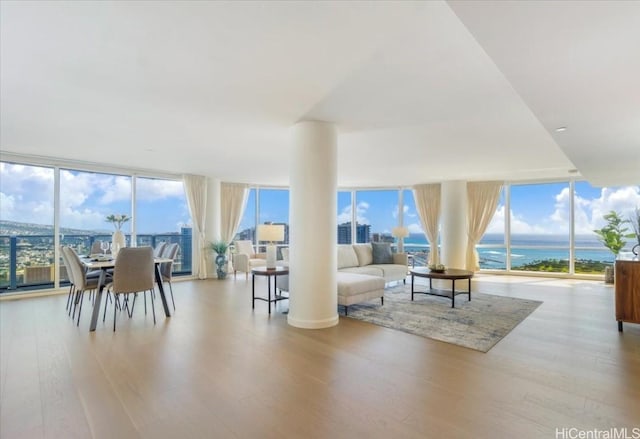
(217, 369)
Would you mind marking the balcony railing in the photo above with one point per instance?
(27, 262)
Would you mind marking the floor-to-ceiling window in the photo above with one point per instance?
(38, 200)
(162, 215)
(86, 199)
(344, 217)
(492, 249)
(376, 215)
(247, 228)
(539, 227)
(416, 243)
(590, 206)
(264, 206)
(274, 209)
(26, 226)
(543, 227)
(549, 227)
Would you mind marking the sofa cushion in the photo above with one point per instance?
(364, 253)
(367, 269)
(350, 284)
(392, 272)
(382, 253)
(347, 256)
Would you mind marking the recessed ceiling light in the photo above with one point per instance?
(561, 129)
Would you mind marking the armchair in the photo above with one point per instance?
(244, 258)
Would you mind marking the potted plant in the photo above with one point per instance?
(118, 240)
(634, 219)
(612, 236)
(220, 249)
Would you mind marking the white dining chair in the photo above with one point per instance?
(166, 268)
(79, 279)
(133, 272)
(158, 249)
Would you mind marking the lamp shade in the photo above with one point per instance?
(270, 232)
(400, 232)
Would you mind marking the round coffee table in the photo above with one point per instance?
(452, 274)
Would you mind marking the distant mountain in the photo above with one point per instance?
(13, 227)
(17, 228)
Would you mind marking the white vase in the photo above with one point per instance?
(117, 242)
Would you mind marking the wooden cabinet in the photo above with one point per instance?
(627, 291)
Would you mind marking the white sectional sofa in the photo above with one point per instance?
(359, 258)
(359, 279)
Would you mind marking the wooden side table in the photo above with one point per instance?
(627, 291)
(269, 273)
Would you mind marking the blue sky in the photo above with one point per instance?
(545, 208)
(26, 195)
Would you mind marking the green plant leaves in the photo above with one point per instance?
(613, 234)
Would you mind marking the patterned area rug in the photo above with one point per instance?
(478, 324)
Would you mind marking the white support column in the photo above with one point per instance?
(313, 266)
(454, 224)
(212, 224)
(401, 218)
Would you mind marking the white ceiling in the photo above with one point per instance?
(420, 91)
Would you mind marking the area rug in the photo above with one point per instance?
(478, 324)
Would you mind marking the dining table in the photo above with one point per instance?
(105, 263)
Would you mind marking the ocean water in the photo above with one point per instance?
(526, 249)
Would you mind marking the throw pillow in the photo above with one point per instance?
(347, 257)
(364, 253)
(382, 253)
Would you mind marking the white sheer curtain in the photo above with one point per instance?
(195, 188)
(482, 200)
(427, 198)
(233, 199)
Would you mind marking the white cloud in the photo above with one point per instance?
(16, 208)
(589, 212)
(21, 178)
(119, 189)
(623, 200)
(26, 194)
(406, 213)
(497, 222)
(361, 210)
(518, 224)
(150, 189)
(415, 228)
(78, 188)
(7, 203)
(84, 218)
(587, 217)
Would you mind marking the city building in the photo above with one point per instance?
(363, 232)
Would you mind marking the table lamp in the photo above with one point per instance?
(271, 233)
(400, 232)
